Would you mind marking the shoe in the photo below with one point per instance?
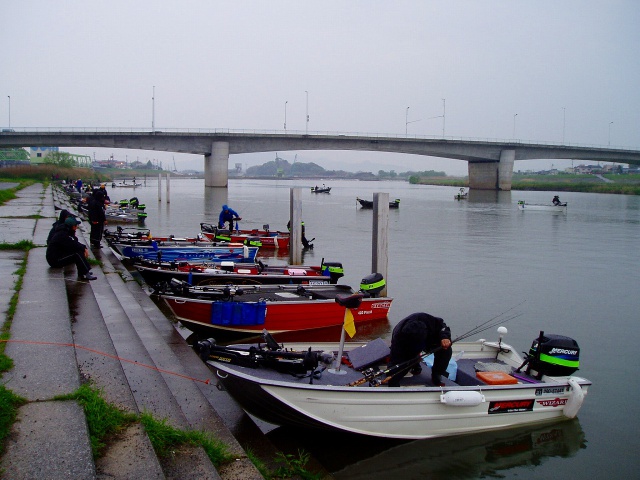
(87, 276)
(437, 381)
(417, 370)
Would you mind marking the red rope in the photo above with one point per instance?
(104, 354)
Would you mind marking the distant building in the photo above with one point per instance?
(38, 154)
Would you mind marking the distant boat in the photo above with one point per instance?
(461, 195)
(369, 203)
(322, 189)
(561, 207)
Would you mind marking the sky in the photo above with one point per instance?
(543, 71)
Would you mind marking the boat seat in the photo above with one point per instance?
(349, 301)
(366, 355)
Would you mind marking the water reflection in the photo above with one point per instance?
(462, 457)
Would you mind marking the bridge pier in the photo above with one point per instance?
(216, 165)
(493, 175)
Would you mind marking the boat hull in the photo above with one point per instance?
(546, 208)
(150, 252)
(411, 412)
(281, 316)
(154, 275)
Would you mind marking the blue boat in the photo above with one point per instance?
(171, 253)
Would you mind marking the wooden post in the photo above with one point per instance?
(168, 186)
(295, 231)
(159, 187)
(379, 240)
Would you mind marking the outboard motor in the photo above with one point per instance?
(553, 355)
(372, 285)
(333, 270)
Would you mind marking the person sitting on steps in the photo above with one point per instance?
(64, 249)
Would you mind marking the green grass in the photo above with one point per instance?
(9, 404)
(104, 420)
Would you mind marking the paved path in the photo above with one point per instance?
(57, 315)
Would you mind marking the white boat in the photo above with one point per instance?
(294, 385)
(522, 205)
(461, 195)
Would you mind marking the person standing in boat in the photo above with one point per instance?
(417, 333)
(556, 200)
(64, 249)
(227, 215)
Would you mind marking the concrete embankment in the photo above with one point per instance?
(108, 331)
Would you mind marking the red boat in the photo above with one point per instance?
(258, 238)
(221, 273)
(247, 310)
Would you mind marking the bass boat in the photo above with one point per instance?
(369, 203)
(246, 310)
(339, 386)
(223, 273)
(256, 238)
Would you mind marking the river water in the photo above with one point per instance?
(574, 274)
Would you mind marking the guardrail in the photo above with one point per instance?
(209, 131)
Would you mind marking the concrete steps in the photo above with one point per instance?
(129, 350)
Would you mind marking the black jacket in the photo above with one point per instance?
(419, 331)
(96, 207)
(63, 243)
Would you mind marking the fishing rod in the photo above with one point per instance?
(371, 376)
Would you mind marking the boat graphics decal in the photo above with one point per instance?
(556, 402)
(549, 391)
(511, 406)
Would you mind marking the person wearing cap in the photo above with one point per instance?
(64, 249)
(227, 215)
(417, 333)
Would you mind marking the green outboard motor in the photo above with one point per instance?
(372, 285)
(333, 270)
(554, 355)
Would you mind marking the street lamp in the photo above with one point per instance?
(285, 115)
(444, 114)
(153, 110)
(307, 127)
(610, 123)
(407, 122)
(514, 125)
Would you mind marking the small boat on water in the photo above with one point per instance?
(257, 238)
(224, 273)
(321, 189)
(158, 250)
(461, 195)
(124, 184)
(369, 203)
(522, 205)
(337, 386)
(247, 310)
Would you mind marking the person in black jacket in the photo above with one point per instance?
(97, 217)
(417, 333)
(64, 249)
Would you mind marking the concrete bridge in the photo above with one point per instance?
(490, 162)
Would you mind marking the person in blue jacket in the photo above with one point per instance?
(227, 215)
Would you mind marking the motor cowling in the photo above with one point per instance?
(333, 270)
(372, 285)
(554, 355)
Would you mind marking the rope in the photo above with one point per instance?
(115, 357)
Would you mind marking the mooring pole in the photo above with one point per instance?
(168, 186)
(380, 240)
(159, 187)
(295, 226)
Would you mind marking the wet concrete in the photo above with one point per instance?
(108, 331)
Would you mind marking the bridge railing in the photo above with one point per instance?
(366, 135)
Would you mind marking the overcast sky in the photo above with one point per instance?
(537, 70)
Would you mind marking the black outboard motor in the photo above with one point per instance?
(372, 285)
(333, 270)
(553, 355)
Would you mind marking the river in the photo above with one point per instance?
(573, 274)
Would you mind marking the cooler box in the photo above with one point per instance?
(496, 378)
